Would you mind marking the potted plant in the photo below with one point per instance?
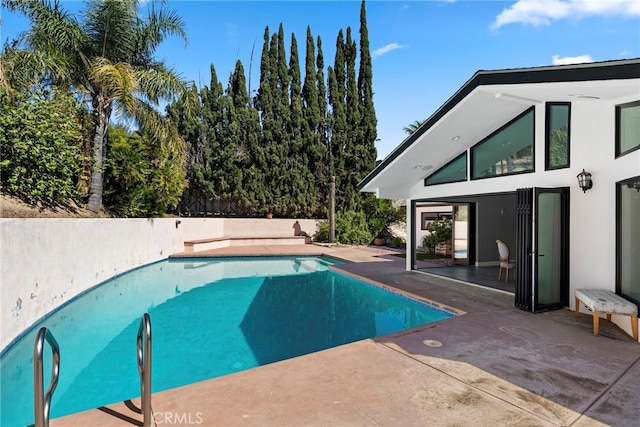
(379, 227)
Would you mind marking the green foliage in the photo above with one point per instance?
(141, 180)
(440, 232)
(277, 152)
(380, 213)
(352, 228)
(41, 143)
(323, 231)
(397, 242)
(106, 55)
(559, 147)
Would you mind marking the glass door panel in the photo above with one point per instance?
(551, 283)
(460, 234)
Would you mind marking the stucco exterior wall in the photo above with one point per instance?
(44, 263)
(592, 241)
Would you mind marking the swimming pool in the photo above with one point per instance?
(210, 317)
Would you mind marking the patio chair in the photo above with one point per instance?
(505, 264)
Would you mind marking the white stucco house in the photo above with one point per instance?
(505, 152)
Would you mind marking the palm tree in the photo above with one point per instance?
(107, 57)
(413, 126)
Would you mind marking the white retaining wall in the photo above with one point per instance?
(46, 262)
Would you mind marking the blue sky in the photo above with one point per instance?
(423, 51)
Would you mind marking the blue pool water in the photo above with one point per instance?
(209, 317)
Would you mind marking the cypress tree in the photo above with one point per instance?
(302, 194)
(212, 112)
(352, 147)
(338, 120)
(324, 172)
(369, 122)
(186, 115)
(264, 104)
(243, 131)
(281, 182)
(312, 113)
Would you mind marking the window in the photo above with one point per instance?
(454, 171)
(628, 239)
(427, 218)
(627, 128)
(507, 151)
(557, 135)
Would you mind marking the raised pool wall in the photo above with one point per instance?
(44, 263)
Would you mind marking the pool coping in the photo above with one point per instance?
(495, 365)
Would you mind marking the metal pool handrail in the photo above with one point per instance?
(144, 368)
(42, 402)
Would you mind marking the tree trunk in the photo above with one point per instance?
(99, 151)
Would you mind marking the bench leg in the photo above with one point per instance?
(609, 317)
(634, 327)
(577, 313)
(596, 323)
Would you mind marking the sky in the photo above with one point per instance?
(422, 51)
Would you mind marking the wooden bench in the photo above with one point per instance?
(606, 302)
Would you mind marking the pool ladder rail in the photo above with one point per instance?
(144, 368)
(42, 401)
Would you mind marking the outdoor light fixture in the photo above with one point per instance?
(584, 180)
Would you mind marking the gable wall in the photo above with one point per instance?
(592, 214)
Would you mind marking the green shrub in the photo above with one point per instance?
(351, 229)
(140, 180)
(440, 232)
(41, 147)
(397, 242)
(323, 232)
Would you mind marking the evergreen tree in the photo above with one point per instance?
(212, 136)
(300, 198)
(337, 119)
(352, 146)
(186, 115)
(325, 171)
(264, 104)
(313, 129)
(239, 139)
(282, 178)
(369, 122)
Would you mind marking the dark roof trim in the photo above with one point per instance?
(607, 70)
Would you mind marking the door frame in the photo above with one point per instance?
(471, 234)
(564, 249)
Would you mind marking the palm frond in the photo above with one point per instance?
(159, 82)
(115, 82)
(110, 25)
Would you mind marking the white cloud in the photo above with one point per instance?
(386, 49)
(625, 53)
(542, 12)
(567, 60)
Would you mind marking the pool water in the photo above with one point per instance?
(209, 317)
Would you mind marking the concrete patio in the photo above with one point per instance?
(494, 365)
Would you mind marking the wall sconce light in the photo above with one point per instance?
(584, 180)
